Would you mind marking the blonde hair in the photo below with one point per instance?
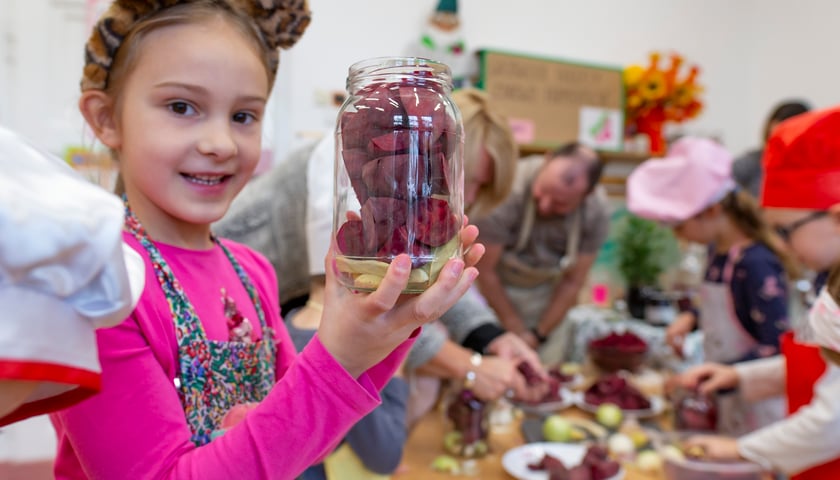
(486, 129)
(743, 210)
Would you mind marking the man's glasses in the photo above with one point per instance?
(785, 231)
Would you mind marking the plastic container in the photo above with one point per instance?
(399, 172)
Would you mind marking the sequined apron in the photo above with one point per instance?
(214, 376)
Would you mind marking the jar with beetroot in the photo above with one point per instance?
(398, 173)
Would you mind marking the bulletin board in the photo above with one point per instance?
(552, 101)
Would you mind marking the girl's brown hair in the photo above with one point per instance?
(743, 210)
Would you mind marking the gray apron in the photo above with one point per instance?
(530, 288)
(724, 341)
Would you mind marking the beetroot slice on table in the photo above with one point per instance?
(434, 222)
(381, 216)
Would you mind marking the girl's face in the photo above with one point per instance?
(813, 237)
(697, 229)
(189, 127)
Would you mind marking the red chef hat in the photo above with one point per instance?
(802, 162)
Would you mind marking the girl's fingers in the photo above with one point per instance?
(474, 254)
(452, 283)
(396, 279)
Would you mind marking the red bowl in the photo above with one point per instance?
(618, 351)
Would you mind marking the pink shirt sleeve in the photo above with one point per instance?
(136, 428)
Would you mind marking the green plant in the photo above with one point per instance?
(644, 249)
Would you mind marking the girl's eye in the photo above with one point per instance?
(181, 108)
(244, 117)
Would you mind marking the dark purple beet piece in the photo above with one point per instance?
(381, 216)
(434, 222)
(395, 176)
(399, 243)
(350, 239)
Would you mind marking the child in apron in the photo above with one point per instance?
(202, 380)
(743, 301)
(801, 197)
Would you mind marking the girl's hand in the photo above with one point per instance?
(709, 377)
(715, 447)
(361, 329)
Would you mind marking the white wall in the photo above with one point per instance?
(753, 53)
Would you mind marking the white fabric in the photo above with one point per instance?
(824, 318)
(319, 203)
(64, 270)
(761, 379)
(808, 438)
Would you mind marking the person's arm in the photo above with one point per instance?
(135, 428)
(493, 290)
(565, 294)
(762, 290)
(808, 438)
(379, 438)
(761, 379)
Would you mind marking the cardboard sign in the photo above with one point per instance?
(556, 96)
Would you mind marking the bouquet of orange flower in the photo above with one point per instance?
(655, 95)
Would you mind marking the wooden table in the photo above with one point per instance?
(425, 443)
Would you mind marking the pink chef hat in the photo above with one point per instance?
(696, 173)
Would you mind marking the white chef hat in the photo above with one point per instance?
(64, 271)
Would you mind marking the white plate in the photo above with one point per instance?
(516, 460)
(567, 399)
(657, 406)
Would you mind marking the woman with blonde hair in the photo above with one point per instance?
(490, 152)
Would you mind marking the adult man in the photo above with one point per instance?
(541, 243)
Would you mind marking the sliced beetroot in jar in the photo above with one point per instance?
(400, 243)
(354, 161)
(380, 217)
(439, 174)
(354, 129)
(426, 109)
(350, 239)
(394, 176)
(434, 222)
(383, 110)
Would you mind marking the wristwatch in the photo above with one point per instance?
(475, 362)
(540, 337)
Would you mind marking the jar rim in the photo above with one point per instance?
(400, 65)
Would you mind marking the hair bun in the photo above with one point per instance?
(281, 22)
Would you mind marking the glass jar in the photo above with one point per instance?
(399, 175)
(696, 412)
(469, 426)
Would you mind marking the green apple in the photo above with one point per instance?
(447, 464)
(609, 415)
(557, 429)
(649, 461)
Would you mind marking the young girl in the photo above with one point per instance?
(801, 197)
(743, 301)
(177, 90)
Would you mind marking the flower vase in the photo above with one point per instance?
(652, 125)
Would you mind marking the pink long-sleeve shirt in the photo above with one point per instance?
(136, 427)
